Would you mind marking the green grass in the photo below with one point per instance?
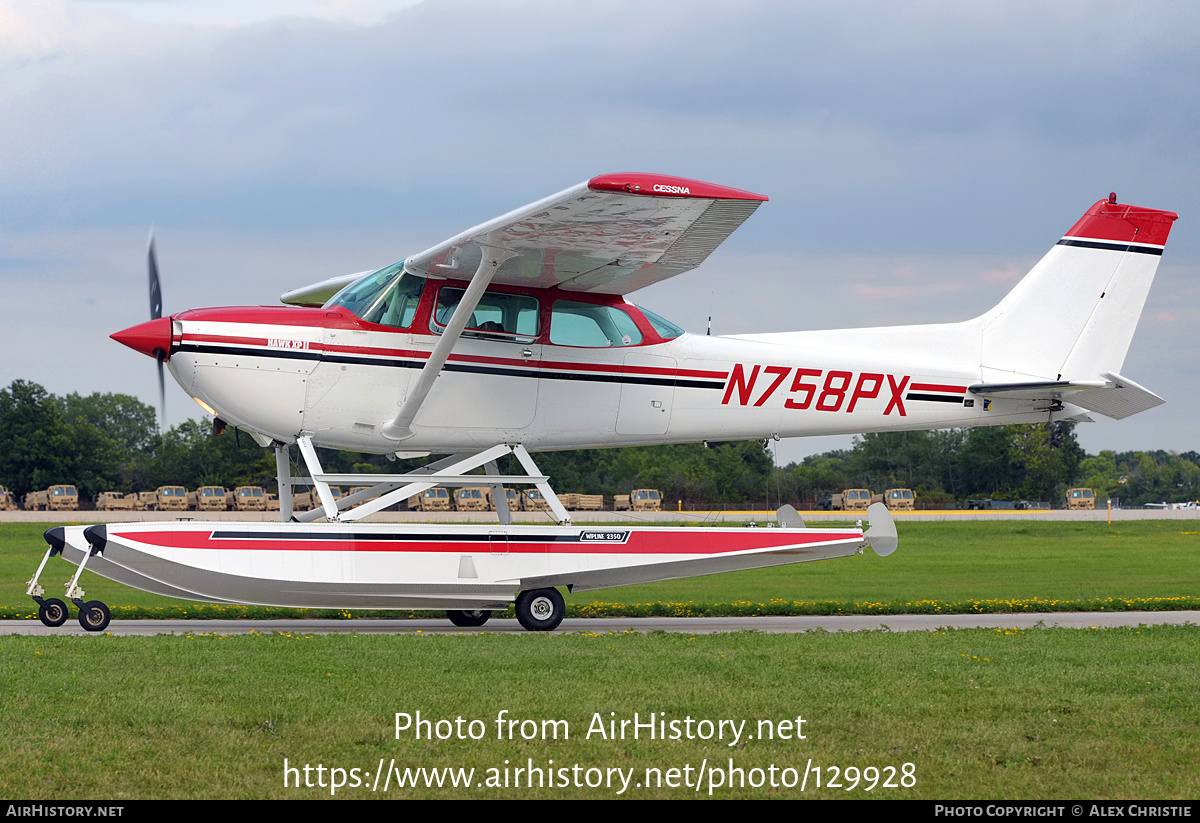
(1035, 714)
(1113, 714)
(940, 567)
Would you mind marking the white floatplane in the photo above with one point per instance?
(515, 337)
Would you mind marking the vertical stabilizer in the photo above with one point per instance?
(1073, 316)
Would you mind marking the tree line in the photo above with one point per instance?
(111, 442)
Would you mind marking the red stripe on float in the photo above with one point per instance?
(639, 543)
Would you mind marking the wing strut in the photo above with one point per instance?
(400, 428)
(283, 468)
(499, 496)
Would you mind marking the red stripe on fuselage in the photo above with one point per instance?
(937, 387)
(563, 365)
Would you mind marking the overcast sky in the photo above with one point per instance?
(919, 157)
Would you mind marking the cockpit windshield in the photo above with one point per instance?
(388, 297)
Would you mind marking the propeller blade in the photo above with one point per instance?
(155, 289)
(155, 314)
(162, 389)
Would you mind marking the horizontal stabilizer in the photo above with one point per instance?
(1120, 399)
(1114, 396)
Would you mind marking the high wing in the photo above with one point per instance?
(613, 234)
(1114, 396)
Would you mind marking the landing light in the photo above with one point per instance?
(206, 407)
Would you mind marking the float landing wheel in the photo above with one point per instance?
(540, 610)
(53, 612)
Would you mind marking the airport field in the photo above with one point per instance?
(1016, 714)
(991, 566)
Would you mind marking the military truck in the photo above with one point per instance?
(164, 498)
(532, 501)
(144, 501)
(250, 499)
(851, 500)
(113, 501)
(471, 499)
(639, 500)
(646, 500)
(896, 499)
(1081, 499)
(436, 499)
(57, 498)
(582, 502)
(8, 501)
(207, 499)
(171, 499)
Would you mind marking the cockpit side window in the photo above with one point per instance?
(498, 315)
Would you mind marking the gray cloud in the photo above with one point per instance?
(908, 150)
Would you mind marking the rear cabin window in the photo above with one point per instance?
(588, 325)
(666, 329)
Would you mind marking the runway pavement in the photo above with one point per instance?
(683, 625)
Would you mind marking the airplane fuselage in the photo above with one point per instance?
(283, 371)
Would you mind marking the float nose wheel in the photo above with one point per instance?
(94, 616)
(469, 619)
(540, 610)
(52, 612)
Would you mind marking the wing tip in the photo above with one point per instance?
(662, 185)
